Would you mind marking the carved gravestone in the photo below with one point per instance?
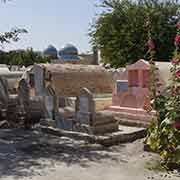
(24, 102)
(51, 103)
(39, 80)
(85, 107)
(24, 94)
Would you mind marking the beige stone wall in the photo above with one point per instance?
(70, 84)
(68, 80)
(102, 103)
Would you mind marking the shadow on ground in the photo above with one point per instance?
(26, 153)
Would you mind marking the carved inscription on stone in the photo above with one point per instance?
(121, 86)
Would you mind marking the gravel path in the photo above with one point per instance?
(31, 155)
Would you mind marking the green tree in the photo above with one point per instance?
(22, 57)
(13, 35)
(121, 31)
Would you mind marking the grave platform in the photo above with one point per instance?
(124, 135)
(138, 115)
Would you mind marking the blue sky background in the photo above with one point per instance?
(54, 22)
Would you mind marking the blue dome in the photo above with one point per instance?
(50, 51)
(68, 52)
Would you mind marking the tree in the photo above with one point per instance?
(22, 57)
(121, 31)
(19, 57)
(13, 35)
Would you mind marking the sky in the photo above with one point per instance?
(55, 22)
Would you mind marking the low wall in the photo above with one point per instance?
(103, 103)
(68, 79)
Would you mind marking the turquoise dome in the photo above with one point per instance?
(50, 51)
(68, 52)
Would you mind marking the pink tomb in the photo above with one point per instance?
(131, 96)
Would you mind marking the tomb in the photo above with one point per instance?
(85, 107)
(90, 121)
(68, 79)
(21, 109)
(12, 77)
(131, 94)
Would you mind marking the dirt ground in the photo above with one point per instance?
(32, 155)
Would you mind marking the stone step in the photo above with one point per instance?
(132, 122)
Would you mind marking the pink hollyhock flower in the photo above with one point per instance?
(177, 39)
(178, 73)
(150, 44)
(176, 124)
(174, 92)
(178, 24)
(175, 61)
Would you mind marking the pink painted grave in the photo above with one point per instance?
(131, 96)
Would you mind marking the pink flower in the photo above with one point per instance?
(175, 61)
(178, 73)
(176, 124)
(174, 91)
(178, 24)
(150, 44)
(177, 39)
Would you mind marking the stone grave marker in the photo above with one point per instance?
(24, 101)
(4, 98)
(85, 107)
(4, 95)
(24, 94)
(51, 103)
(14, 68)
(39, 80)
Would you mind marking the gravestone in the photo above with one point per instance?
(85, 107)
(4, 95)
(14, 68)
(24, 102)
(51, 103)
(4, 98)
(24, 94)
(39, 81)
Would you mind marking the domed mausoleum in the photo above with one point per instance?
(68, 52)
(50, 51)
